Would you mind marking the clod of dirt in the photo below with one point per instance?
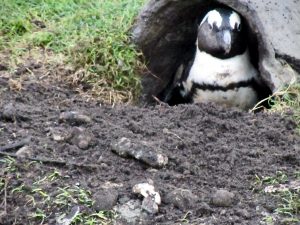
(131, 212)
(16, 145)
(243, 213)
(59, 134)
(222, 198)
(204, 209)
(3, 67)
(105, 200)
(11, 113)
(74, 118)
(141, 151)
(183, 199)
(26, 68)
(81, 138)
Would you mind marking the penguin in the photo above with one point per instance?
(221, 70)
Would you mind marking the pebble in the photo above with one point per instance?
(141, 151)
(222, 198)
(183, 199)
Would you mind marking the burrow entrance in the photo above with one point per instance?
(166, 33)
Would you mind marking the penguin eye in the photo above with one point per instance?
(210, 26)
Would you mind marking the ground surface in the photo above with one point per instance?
(208, 147)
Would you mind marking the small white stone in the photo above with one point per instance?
(57, 137)
(147, 190)
(25, 151)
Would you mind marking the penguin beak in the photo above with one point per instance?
(226, 41)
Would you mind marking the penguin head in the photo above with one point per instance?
(221, 34)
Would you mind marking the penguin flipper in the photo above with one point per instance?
(177, 95)
(167, 93)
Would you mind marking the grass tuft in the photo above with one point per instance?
(280, 186)
(285, 100)
(45, 203)
(288, 99)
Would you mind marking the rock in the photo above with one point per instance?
(74, 118)
(142, 151)
(57, 137)
(25, 151)
(151, 198)
(222, 198)
(147, 190)
(165, 48)
(105, 200)
(183, 199)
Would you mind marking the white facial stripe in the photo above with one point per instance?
(234, 19)
(213, 17)
(204, 19)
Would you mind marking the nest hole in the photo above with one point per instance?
(176, 44)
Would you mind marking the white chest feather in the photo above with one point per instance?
(210, 70)
(244, 97)
(207, 69)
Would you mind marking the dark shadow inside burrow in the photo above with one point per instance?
(171, 41)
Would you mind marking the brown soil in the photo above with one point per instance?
(208, 147)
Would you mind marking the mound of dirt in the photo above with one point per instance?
(214, 154)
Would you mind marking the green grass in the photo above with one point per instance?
(48, 194)
(288, 100)
(94, 37)
(288, 200)
(285, 101)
